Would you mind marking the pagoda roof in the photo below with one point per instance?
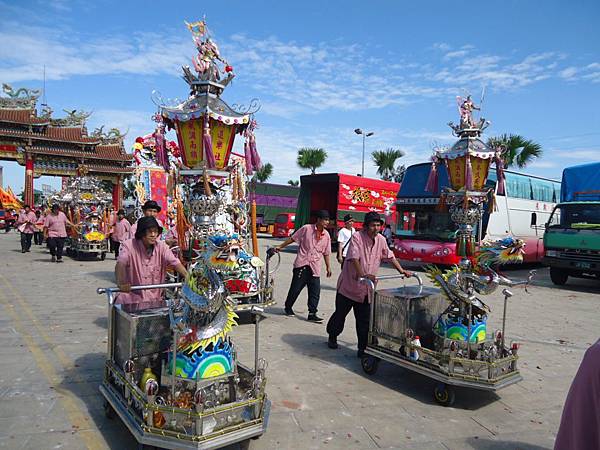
(201, 105)
(22, 116)
(109, 152)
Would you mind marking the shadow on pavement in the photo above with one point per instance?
(105, 275)
(393, 377)
(490, 444)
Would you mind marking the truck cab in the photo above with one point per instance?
(284, 225)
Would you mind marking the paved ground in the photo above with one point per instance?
(53, 343)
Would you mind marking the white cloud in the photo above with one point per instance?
(568, 73)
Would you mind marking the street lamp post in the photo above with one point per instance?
(365, 135)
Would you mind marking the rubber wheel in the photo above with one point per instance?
(102, 256)
(369, 364)
(444, 394)
(558, 276)
(109, 412)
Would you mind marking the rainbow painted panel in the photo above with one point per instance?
(454, 329)
(202, 364)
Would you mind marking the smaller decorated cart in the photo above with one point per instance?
(86, 205)
(442, 332)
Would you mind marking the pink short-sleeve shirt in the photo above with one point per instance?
(121, 230)
(29, 219)
(143, 268)
(370, 253)
(312, 246)
(56, 224)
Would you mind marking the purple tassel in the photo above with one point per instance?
(254, 153)
(500, 175)
(468, 173)
(207, 144)
(248, 158)
(162, 158)
(432, 180)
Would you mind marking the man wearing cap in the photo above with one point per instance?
(150, 209)
(314, 243)
(367, 249)
(343, 238)
(55, 232)
(144, 260)
(121, 231)
(26, 225)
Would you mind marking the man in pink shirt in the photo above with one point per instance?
(314, 243)
(142, 261)
(368, 248)
(55, 231)
(150, 209)
(26, 225)
(121, 232)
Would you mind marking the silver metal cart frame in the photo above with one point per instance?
(449, 369)
(116, 381)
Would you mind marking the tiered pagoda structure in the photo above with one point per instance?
(46, 145)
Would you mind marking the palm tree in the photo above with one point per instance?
(293, 182)
(311, 158)
(264, 173)
(519, 151)
(385, 161)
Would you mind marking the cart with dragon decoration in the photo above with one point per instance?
(173, 374)
(86, 204)
(442, 332)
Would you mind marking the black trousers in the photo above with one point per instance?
(26, 241)
(38, 238)
(362, 314)
(56, 245)
(303, 276)
(115, 246)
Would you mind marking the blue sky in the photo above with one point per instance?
(323, 68)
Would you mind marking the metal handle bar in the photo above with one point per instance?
(371, 285)
(139, 288)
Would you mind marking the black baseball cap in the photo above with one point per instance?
(322, 214)
(348, 218)
(372, 217)
(151, 204)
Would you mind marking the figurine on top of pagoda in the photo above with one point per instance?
(467, 125)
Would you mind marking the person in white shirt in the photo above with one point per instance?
(343, 238)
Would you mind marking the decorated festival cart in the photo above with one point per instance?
(87, 205)
(442, 332)
(173, 375)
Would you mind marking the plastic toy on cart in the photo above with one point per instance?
(86, 204)
(442, 332)
(173, 375)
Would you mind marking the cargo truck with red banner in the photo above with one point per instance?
(342, 194)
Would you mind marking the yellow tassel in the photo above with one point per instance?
(441, 206)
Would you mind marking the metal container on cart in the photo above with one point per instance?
(401, 314)
(221, 411)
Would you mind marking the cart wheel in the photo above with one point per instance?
(369, 364)
(109, 412)
(102, 256)
(244, 445)
(444, 394)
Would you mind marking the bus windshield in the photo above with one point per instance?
(425, 223)
(576, 216)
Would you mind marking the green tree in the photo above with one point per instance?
(519, 151)
(311, 158)
(293, 182)
(263, 174)
(385, 161)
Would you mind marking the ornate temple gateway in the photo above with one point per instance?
(47, 145)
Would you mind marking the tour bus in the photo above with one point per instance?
(426, 235)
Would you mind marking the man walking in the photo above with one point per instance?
(343, 238)
(314, 243)
(38, 235)
(368, 248)
(121, 232)
(26, 225)
(55, 231)
(144, 260)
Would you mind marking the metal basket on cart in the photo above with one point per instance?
(221, 411)
(399, 315)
